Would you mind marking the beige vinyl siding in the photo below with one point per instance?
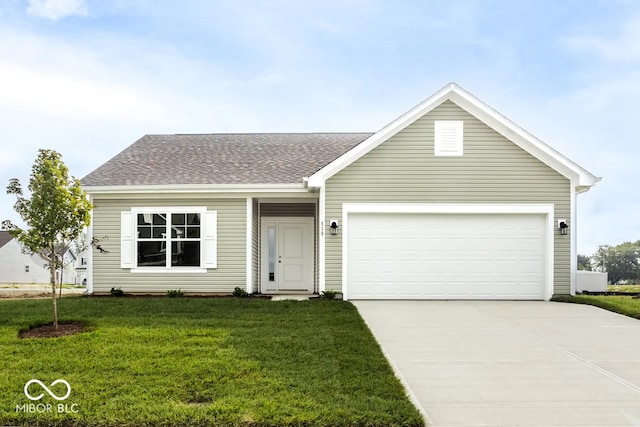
(231, 229)
(404, 169)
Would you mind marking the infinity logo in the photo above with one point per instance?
(45, 388)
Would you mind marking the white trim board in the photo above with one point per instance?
(197, 188)
(249, 247)
(420, 208)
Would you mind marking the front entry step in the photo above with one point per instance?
(290, 297)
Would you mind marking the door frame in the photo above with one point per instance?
(265, 223)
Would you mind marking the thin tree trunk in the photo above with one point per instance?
(52, 269)
(61, 282)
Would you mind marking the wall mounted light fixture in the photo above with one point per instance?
(333, 225)
(563, 226)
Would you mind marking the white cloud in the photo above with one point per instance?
(56, 9)
(624, 46)
(72, 97)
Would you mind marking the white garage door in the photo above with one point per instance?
(446, 256)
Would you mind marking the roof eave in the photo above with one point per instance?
(521, 137)
(194, 188)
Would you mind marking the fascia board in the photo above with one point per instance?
(523, 138)
(204, 188)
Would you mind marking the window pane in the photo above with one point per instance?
(177, 219)
(144, 219)
(272, 253)
(193, 219)
(177, 232)
(193, 232)
(152, 254)
(159, 232)
(185, 254)
(144, 232)
(159, 219)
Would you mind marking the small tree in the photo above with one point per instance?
(621, 262)
(584, 262)
(55, 215)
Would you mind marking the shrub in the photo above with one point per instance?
(240, 293)
(175, 293)
(117, 292)
(328, 294)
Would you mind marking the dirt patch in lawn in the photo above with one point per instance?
(49, 331)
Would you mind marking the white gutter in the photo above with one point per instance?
(197, 188)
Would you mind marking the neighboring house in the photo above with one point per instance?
(17, 267)
(75, 270)
(451, 200)
(80, 269)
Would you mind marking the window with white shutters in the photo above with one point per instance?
(155, 239)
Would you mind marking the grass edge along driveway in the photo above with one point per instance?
(201, 362)
(626, 305)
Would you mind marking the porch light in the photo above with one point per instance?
(563, 226)
(334, 227)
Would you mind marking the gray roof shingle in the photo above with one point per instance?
(259, 158)
(5, 237)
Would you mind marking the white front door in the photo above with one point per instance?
(287, 255)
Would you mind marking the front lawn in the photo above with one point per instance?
(194, 361)
(623, 288)
(626, 305)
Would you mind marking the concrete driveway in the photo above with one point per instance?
(507, 363)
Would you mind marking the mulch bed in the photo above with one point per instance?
(49, 331)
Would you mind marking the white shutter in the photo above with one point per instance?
(127, 240)
(448, 137)
(210, 256)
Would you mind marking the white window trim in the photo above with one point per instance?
(206, 235)
(441, 149)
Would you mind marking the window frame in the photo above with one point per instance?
(207, 239)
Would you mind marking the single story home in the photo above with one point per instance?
(451, 200)
(18, 267)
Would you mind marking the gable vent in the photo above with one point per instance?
(448, 137)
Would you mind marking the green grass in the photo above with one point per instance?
(626, 305)
(202, 362)
(623, 288)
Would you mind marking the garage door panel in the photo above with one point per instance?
(409, 266)
(438, 256)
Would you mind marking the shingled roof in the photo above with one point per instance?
(5, 237)
(258, 158)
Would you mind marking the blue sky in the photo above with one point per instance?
(89, 77)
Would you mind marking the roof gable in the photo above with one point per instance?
(5, 237)
(580, 177)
